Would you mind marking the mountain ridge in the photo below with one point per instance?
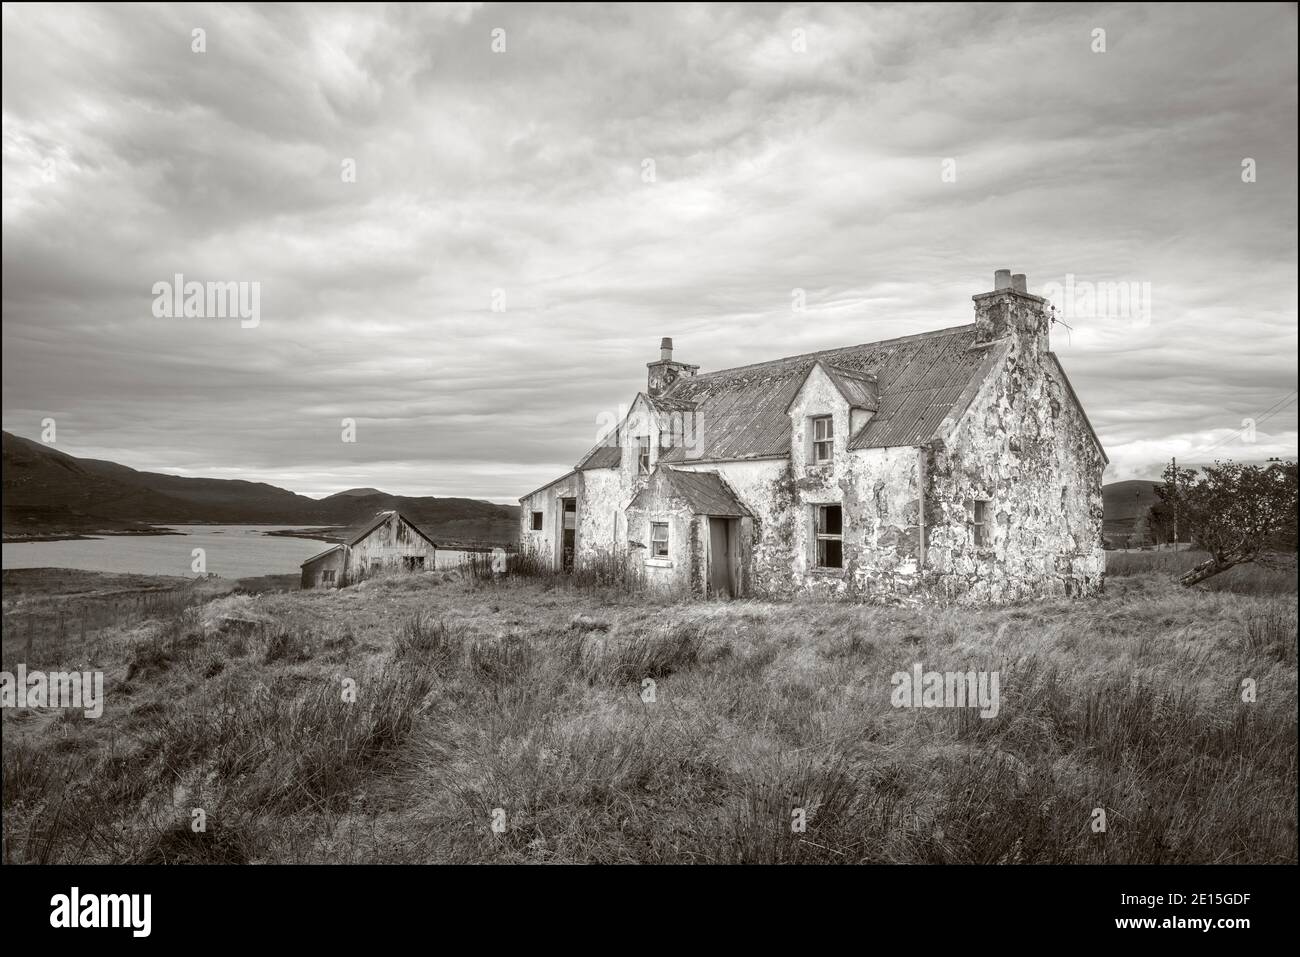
(50, 493)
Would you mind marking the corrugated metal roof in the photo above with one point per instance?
(601, 457)
(705, 493)
(860, 389)
(741, 412)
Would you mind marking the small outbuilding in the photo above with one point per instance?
(388, 542)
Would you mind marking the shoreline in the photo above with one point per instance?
(85, 536)
(156, 530)
(319, 533)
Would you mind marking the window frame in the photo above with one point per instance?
(643, 455)
(655, 543)
(327, 576)
(828, 439)
(537, 520)
(821, 536)
(979, 517)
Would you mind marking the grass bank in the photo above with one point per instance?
(400, 720)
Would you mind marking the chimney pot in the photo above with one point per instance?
(1018, 282)
(666, 349)
(1001, 280)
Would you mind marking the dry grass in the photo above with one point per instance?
(528, 695)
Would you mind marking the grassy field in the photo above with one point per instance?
(521, 702)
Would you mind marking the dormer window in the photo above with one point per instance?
(823, 432)
(643, 454)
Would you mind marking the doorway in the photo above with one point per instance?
(569, 533)
(724, 565)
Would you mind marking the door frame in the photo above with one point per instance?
(560, 533)
(731, 531)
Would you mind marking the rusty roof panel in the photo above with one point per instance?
(741, 413)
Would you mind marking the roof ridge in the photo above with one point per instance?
(380, 517)
(931, 334)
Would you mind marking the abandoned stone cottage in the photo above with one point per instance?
(955, 463)
(388, 541)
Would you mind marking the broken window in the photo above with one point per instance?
(643, 454)
(658, 539)
(830, 536)
(823, 438)
(327, 577)
(979, 530)
(537, 521)
(413, 562)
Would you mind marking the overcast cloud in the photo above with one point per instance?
(129, 158)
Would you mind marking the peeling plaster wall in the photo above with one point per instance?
(878, 490)
(545, 543)
(1026, 449)
(682, 567)
(765, 539)
(601, 524)
(607, 492)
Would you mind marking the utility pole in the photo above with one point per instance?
(1174, 460)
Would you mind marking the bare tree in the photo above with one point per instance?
(1237, 513)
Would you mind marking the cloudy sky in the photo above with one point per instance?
(613, 175)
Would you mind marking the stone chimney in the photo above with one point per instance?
(665, 372)
(1011, 310)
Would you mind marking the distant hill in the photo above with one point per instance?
(1122, 503)
(446, 519)
(47, 492)
(1126, 500)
